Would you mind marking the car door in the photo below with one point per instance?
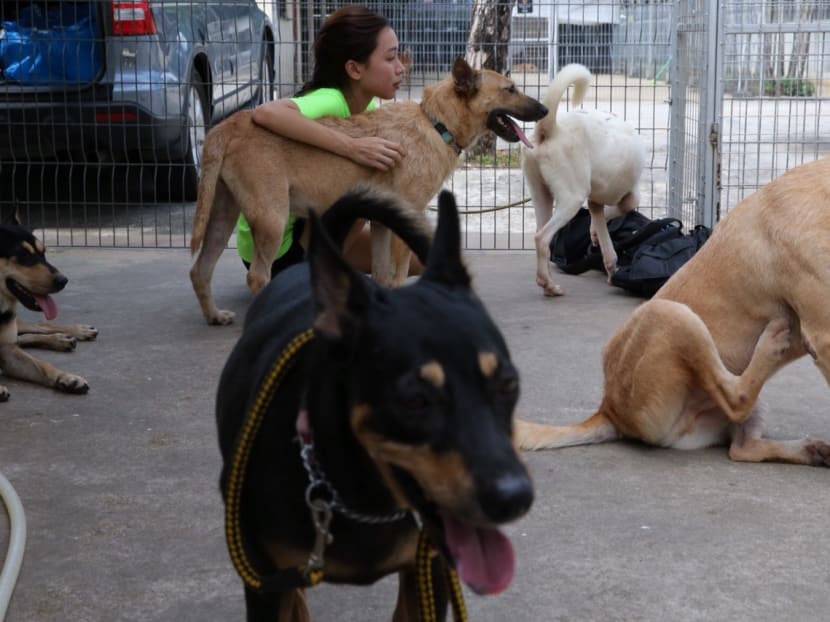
(239, 22)
(248, 33)
(220, 52)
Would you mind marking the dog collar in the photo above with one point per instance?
(449, 139)
(321, 514)
(318, 483)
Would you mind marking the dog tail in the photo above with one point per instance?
(596, 429)
(574, 74)
(213, 153)
(364, 203)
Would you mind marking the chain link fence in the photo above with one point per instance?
(105, 103)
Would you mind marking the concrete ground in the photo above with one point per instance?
(125, 519)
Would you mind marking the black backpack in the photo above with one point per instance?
(648, 251)
(657, 258)
(571, 249)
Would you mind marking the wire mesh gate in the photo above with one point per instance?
(726, 95)
(693, 113)
(749, 99)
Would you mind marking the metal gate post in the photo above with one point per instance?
(677, 121)
(696, 107)
(709, 208)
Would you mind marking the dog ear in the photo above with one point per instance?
(340, 294)
(444, 264)
(14, 218)
(466, 78)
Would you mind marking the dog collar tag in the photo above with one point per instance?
(446, 134)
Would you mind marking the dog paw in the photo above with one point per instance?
(222, 318)
(4, 394)
(71, 384)
(775, 340)
(63, 342)
(549, 287)
(84, 332)
(819, 452)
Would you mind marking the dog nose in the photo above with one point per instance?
(59, 282)
(507, 497)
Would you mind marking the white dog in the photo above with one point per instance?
(587, 154)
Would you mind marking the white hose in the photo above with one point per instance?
(17, 542)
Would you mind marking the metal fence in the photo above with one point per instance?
(104, 120)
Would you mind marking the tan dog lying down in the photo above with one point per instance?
(754, 298)
(249, 168)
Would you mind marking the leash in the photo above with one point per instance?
(487, 210)
(303, 576)
(426, 595)
(311, 573)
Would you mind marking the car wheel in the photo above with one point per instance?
(184, 175)
(266, 74)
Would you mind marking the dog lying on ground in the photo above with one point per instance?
(686, 369)
(578, 155)
(27, 278)
(247, 167)
(407, 396)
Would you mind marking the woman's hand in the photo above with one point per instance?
(376, 152)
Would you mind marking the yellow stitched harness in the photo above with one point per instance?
(310, 574)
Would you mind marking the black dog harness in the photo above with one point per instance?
(311, 573)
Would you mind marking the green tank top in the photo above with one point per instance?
(315, 105)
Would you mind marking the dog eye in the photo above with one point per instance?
(414, 403)
(511, 89)
(506, 382)
(416, 411)
(508, 386)
(415, 419)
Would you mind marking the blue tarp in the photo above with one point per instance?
(58, 46)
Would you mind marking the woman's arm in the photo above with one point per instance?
(283, 117)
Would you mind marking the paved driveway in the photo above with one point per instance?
(125, 518)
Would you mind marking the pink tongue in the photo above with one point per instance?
(483, 555)
(48, 306)
(520, 133)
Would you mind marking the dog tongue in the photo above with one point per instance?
(483, 555)
(520, 134)
(48, 306)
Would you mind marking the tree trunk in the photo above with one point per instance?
(487, 49)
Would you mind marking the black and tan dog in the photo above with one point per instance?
(374, 409)
(27, 278)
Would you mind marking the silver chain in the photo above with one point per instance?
(317, 480)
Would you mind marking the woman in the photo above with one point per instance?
(338, 88)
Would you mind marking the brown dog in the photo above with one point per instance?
(247, 167)
(686, 369)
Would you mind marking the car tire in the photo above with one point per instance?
(183, 181)
(265, 92)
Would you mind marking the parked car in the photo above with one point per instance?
(136, 81)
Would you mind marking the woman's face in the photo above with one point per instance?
(381, 75)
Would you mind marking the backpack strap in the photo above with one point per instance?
(647, 231)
